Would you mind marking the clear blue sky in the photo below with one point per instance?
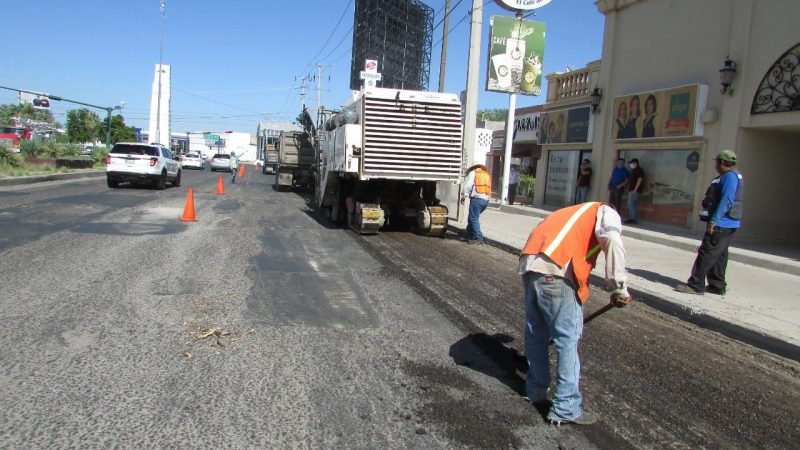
(235, 62)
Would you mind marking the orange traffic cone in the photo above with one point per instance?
(188, 210)
(241, 171)
(220, 186)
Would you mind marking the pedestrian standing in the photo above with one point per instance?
(616, 184)
(555, 265)
(722, 210)
(582, 185)
(234, 167)
(635, 187)
(513, 183)
(478, 187)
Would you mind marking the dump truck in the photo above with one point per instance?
(384, 154)
(296, 155)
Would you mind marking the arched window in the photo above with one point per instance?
(779, 91)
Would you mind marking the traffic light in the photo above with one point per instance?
(41, 102)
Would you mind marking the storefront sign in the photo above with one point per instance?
(516, 54)
(565, 126)
(658, 114)
(526, 128)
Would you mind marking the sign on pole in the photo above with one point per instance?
(516, 55)
(521, 5)
(370, 73)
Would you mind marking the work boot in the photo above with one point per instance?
(586, 418)
(715, 291)
(686, 289)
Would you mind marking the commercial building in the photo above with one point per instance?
(680, 80)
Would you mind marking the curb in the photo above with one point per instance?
(731, 330)
(683, 243)
(15, 181)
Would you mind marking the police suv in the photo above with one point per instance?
(151, 164)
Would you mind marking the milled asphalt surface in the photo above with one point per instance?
(335, 340)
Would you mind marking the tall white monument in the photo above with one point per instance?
(158, 129)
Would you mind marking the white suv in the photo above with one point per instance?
(142, 163)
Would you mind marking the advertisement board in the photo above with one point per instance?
(566, 126)
(673, 112)
(516, 55)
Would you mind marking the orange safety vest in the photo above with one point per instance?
(568, 235)
(483, 182)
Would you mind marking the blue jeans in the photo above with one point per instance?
(476, 207)
(552, 311)
(633, 205)
(581, 193)
(233, 176)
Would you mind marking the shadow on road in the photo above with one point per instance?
(489, 355)
(655, 277)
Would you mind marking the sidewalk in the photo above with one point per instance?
(80, 173)
(762, 306)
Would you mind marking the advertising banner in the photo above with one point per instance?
(516, 54)
(658, 114)
(566, 126)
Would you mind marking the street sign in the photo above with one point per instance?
(521, 5)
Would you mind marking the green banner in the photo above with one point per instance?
(516, 54)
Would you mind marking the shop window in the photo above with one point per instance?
(670, 178)
(562, 175)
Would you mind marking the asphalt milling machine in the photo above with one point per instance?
(383, 157)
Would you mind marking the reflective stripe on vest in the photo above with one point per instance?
(568, 235)
(483, 182)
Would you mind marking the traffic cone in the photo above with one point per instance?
(241, 171)
(220, 186)
(188, 210)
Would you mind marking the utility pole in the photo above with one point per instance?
(471, 106)
(446, 32)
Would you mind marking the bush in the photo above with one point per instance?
(9, 158)
(50, 148)
(527, 183)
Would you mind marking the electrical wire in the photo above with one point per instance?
(346, 8)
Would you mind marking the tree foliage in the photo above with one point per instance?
(119, 131)
(82, 125)
(24, 111)
(496, 114)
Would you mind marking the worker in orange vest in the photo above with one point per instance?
(555, 265)
(478, 187)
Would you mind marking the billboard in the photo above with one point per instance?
(397, 35)
(516, 55)
(657, 114)
(566, 126)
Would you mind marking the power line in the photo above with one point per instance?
(332, 32)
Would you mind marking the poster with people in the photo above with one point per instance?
(516, 55)
(565, 126)
(665, 113)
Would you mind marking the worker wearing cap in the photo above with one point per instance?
(555, 265)
(722, 210)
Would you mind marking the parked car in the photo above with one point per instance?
(142, 163)
(221, 161)
(194, 160)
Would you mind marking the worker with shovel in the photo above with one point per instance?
(555, 265)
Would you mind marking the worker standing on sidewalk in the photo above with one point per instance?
(555, 265)
(478, 187)
(722, 209)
